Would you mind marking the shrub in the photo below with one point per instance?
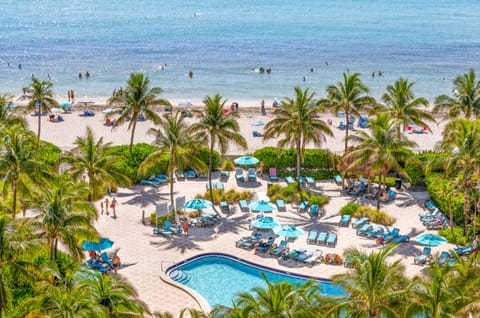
(290, 193)
(350, 208)
(414, 169)
(318, 199)
(435, 182)
(379, 217)
(230, 196)
(159, 220)
(48, 153)
(204, 155)
(456, 237)
(228, 165)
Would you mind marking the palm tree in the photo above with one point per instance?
(90, 158)
(401, 104)
(218, 128)
(40, 94)
(461, 144)
(138, 98)
(466, 97)
(175, 139)
(373, 287)
(8, 117)
(380, 150)
(297, 122)
(18, 164)
(65, 216)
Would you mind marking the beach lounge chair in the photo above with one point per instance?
(442, 224)
(314, 258)
(331, 239)
(159, 230)
(429, 214)
(180, 175)
(207, 185)
(430, 205)
(322, 238)
(301, 180)
(289, 180)
(244, 206)
(239, 175)
(202, 175)
(152, 182)
(106, 259)
(312, 237)
(425, 217)
(224, 207)
(401, 239)
(257, 134)
(191, 174)
(314, 210)
(376, 232)
(224, 176)
(425, 257)
(252, 174)
(360, 222)
(338, 180)
(219, 185)
(246, 242)
(277, 251)
(390, 236)
(301, 255)
(444, 258)
(97, 266)
(168, 226)
(464, 251)
(281, 205)
(272, 174)
(364, 229)
(344, 220)
(310, 181)
(264, 247)
(303, 206)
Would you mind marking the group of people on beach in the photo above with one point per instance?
(104, 205)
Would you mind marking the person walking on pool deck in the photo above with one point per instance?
(116, 263)
(101, 207)
(260, 168)
(185, 227)
(106, 205)
(113, 206)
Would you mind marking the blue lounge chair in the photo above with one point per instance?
(272, 174)
(239, 175)
(151, 182)
(428, 217)
(314, 210)
(159, 230)
(180, 175)
(244, 206)
(252, 174)
(390, 236)
(168, 226)
(310, 181)
(246, 243)
(224, 175)
(257, 134)
(219, 185)
(429, 214)
(224, 207)
(191, 174)
(444, 258)
(264, 247)
(430, 205)
(425, 257)
(401, 239)
(289, 180)
(463, 251)
(344, 220)
(202, 175)
(301, 179)
(313, 258)
(303, 206)
(322, 238)
(279, 249)
(364, 229)
(331, 239)
(207, 185)
(338, 180)
(376, 232)
(312, 237)
(438, 225)
(106, 259)
(98, 266)
(360, 222)
(281, 205)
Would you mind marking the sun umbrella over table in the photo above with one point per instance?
(288, 231)
(265, 223)
(246, 161)
(430, 239)
(198, 204)
(103, 244)
(262, 206)
(65, 104)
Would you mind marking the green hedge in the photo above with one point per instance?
(290, 193)
(415, 167)
(48, 153)
(435, 182)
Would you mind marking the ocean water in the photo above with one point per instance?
(429, 42)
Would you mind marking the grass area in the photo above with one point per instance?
(290, 193)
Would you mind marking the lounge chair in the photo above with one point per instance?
(360, 222)
(257, 134)
(224, 176)
(364, 229)
(444, 258)
(244, 206)
(310, 181)
(180, 175)
(401, 239)
(344, 220)
(168, 226)
(338, 180)
(239, 175)
(289, 180)
(252, 174)
(442, 224)
(272, 174)
(246, 242)
(301, 180)
(106, 259)
(224, 207)
(322, 238)
(312, 237)
(331, 239)
(277, 251)
(152, 182)
(425, 257)
(390, 236)
(207, 185)
(464, 251)
(430, 205)
(202, 175)
(302, 255)
(280, 205)
(303, 206)
(314, 210)
(191, 174)
(376, 231)
(159, 230)
(313, 258)
(219, 185)
(97, 266)
(429, 214)
(264, 247)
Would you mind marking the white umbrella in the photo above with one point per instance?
(56, 110)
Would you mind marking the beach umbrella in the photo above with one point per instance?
(103, 244)
(246, 161)
(265, 223)
(65, 104)
(198, 204)
(262, 206)
(258, 123)
(430, 239)
(288, 231)
(107, 111)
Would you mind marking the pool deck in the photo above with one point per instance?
(144, 254)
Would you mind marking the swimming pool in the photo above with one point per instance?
(219, 277)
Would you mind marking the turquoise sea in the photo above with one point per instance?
(428, 41)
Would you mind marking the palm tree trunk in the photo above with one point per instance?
(90, 185)
(379, 190)
(451, 212)
(344, 172)
(14, 203)
(39, 123)
(466, 207)
(298, 164)
(134, 118)
(399, 132)
(210, 168)
(171, 168)
(52, 250)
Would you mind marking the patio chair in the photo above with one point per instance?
(180, 175)
(277, 251)
(376, 231)
(310, 181)
(429, 214)
(464, 251)
(312, 237)
(159, 230)
(244, 206)
(97, 266)
(314, 210)
(191, 174)
(313, 259)
(219, 185)
(390, 236)
(360, 222)
(264, 247)
(331, 239)
(152, 182)
(425, 257)
(364, 229)
(301, 179)
(272, 174)
(246, 242)
(289, 180)
(256, 133)
(430, 205)
(401, 239)
(207, 185)
(224, 176)
(425, 217)
(239, 175)
(303, 206)
(106, 259)
(224, 207)
(280, 205)
(444, 258)
(322, 238)
(168, 226)
(338, 180)
(344, 220)
(202, 175)
(252, 174)
(438, 225)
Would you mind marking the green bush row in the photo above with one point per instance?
(415, 166)
(456, 237)
(230, 196)
(290, 193)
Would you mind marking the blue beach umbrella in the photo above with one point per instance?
(103, 244)
(430, 239)
(65, 104)
(288, 231)
(258, 123)
(262, 206)
(265, 223)
(198, 204)
(246, 161)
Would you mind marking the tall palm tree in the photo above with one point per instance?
(298, 125)
(8, 117)
(18, 163)
(401, 104)
(89, 158)
(65, 216)
(465, 97)
(349, 96)
(175, 139)
(218, 128)
(40, 94)
(380, 150)
(138, 98)
(373, 287)
(461, 144)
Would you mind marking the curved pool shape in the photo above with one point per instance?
(430, 239)
(220, 277)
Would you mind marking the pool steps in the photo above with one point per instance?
(180, 276)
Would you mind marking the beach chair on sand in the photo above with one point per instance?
(289, 180)
(338, 180)
(224, 207)
(376, 231)
(344, 220)
(310, 181)
(272, 174)
(277, 251)
(303, 206)
(251, 174)
(180, 175)
(314, 210)
(430, 205)
(281, 205)
(224, 176)
(462, 251)
(191, 174)
(322, 238)
(360, 222)
(244, 206)
(425, 257)
(314, 258)
(401, 239)
(364, 229)
(331, 239)
(312, 237)
(239, 175)
(219, 185)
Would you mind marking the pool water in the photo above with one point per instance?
(219, 278)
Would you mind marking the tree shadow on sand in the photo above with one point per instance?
(144, 196)
(183, 243)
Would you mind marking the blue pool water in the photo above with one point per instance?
(218, 278)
